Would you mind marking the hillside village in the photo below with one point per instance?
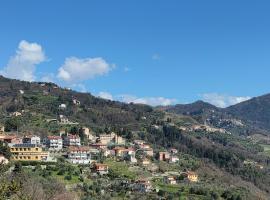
(33, 148)
(99, 148)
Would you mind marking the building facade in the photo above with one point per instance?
(164, 156)
(79, 155)
(54, 143)
(28, 152)
(101, 169)
(31, 140)
(72, 140)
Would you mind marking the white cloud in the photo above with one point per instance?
(223, 101)
(23, 64)
(105, 95)
(50, 78)
(155, 56)
(153, 101)
(126, 69)
(80, 87)
(76, 69)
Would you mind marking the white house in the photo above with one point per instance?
(32, 139)
(72, 140)
(16, 114)
(173, 159)
(63, 119)
(76, 102)
(54, 142)
(170, 180)
(62, 106)
(79, 155)
(3, 160)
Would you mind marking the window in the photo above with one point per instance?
(36, 149)
(36, 157)
(24, 149)
(29, 157)
(29, 149)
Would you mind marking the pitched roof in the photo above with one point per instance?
(100, 165)
(78, 148)
(54, 137)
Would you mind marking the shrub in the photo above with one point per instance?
(68, 177)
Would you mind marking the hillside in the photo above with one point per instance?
(249, 117)
(195, 108)
(36, 107)
(40, 102)
(255, 111)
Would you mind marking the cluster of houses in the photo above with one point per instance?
(145, 185)
(34, 148)
(200, 127)
(175, 179)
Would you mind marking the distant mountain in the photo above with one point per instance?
(255, 111)
(246, 117)
(195, 108)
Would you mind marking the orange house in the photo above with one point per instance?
(101, 168)
(192, 176)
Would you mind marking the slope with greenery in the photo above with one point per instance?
(200, 150)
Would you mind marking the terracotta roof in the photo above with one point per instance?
(78, 148)
(53, 137)
(8, 137)
(101, 165)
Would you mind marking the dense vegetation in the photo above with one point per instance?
(213, 155)
(224, 154)
(40, 102)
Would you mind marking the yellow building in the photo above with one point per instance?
(111, 138)
(192, 176)
(28, 152)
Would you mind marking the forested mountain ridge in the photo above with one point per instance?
(247, 117)
(40, 101)
(256, 111)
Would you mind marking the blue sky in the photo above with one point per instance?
(154, 52)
